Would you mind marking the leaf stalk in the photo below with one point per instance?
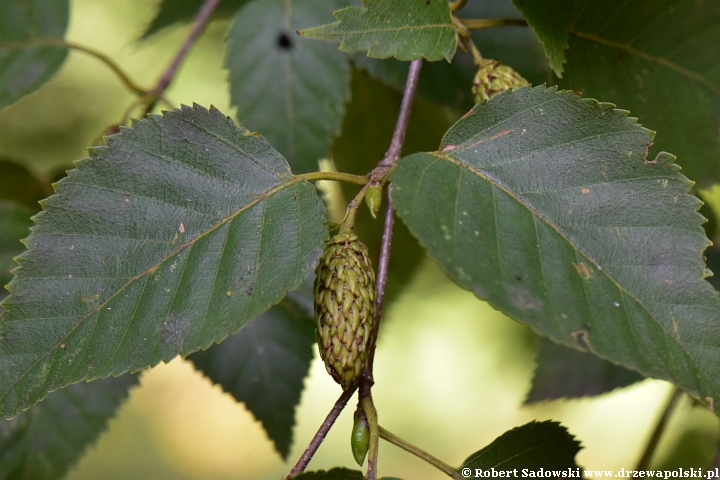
(654, 440)
(485, 23)
(420, 453)
(59, 42)
(335, 177)
(457, 5)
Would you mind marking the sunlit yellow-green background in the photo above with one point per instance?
(451, 372)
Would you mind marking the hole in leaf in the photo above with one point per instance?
(284, 42)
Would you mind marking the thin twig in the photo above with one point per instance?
(484, 23)
(398, 138)
(420, 453)
(201, 20)
(59, 42)
(314, 444)
(382, 274)
(644, 462)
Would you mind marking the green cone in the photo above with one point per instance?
(344, 307)
(492, 78)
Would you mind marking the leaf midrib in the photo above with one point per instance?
(289, 182)
(496, 183)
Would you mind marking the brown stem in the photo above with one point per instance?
(382, 275)
(398, 138)
(644, 462)
(201, 20)
(322, 432)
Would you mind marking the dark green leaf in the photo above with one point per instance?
(183, 11)
(17, 184)
(656, 58)
(545, 205)
(184, 228)
(291, 90)
(564, 372)
(44, 441)
(26, 60)
(404, 29)
(334, 474)
(551, 20)
(449, 84)
(265, 363)
(535, 445)
(14, 226)
(712, 256)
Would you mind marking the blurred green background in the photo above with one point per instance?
(451, 372)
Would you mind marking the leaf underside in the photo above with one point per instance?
(44, 441)
(534, 445)
(179, 232)
(658, 59)
(564, 372)
(544, 204)
(404, 29)
(292, 91)
(264, 364)
(23, 67)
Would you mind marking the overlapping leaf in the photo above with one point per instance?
(264, 364)
(449, 84)
(546, 205)
(656, 58)
(17, 184)
(404, 29)
(176, 234)
(564, 372)
(26, 59)
(292, 91)
(535, 445)
(44, 441)
(14, 226)
(551, 20)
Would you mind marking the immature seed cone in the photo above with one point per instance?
(344, 307)
(493, 77)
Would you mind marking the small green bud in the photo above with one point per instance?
(373, 199)
(360, 436)
(344, 307)
(492, 78)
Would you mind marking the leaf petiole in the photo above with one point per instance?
(420, 453)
